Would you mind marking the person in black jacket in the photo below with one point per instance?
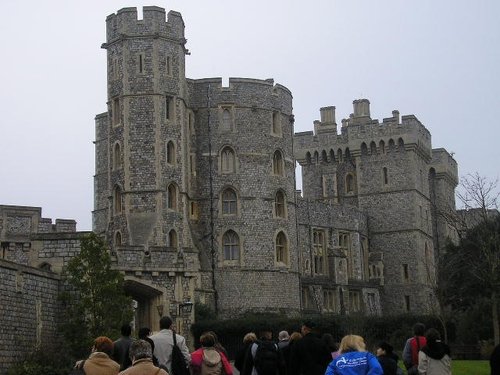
(495, 361)
(310, 355)
(239, 359)
(387, 359)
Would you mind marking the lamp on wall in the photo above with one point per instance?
(160, 310)
(185, 307)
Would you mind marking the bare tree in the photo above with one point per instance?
(472, 267)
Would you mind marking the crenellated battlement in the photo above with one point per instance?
(243, 92)
(444, 165)
(359, 131)
(125, 23)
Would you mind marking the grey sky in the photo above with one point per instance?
(437, 59)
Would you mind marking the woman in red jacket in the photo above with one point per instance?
(207, 360)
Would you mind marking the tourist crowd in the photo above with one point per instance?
(299, 353)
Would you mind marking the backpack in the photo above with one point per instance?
(266, 360)
(179, 366)
(211, 363)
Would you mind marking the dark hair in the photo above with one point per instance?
(419, 329)
(103, 344)
(309, 324)
(330, 342)
(143, 332)
(386, 347)
(126, 329)
(207, 339)
(165, 322)
(432, 335)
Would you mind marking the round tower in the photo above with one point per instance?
(245, 188)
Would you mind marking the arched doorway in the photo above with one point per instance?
(149, 302)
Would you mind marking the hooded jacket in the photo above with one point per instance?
(210, 361)
(434, 359)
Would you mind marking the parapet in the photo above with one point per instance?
(261, 93)
(444, 165)
(126, 23)
(359, 131)
(18, 223)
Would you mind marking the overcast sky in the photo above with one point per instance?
(436, 59)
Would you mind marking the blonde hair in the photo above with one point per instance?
(352, 343)
(295, 336)
(249, 337)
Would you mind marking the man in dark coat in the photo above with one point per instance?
(310, 355)
(121, 348)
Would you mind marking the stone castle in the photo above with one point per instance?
(194, 190)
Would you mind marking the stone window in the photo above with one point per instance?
(169, 108)
(324, 157)
(373, 148)
(228, 160)
(114, 69)
(364, 257)
(332, 156)
(316, 157)
(276, 127)
(173, 241)
(339, 155)
(407, 304)
(345, 246)
(391, 145)
(172, 197)
(329, 300)
(349, 183)
(117, 200)
(191, 122)
(141, 63)
(319, 251)
(401, 144)
(307, 302)
(116, 111)
(192, 164)
(168, 66)
(385, 176)
(117, 156)
(118, 238)
(405, 273)
(372, 306)
(170, 153)
(364, 149)
(381, 146)
(281, 248)
(193, 210)
(354, 301)
(229, 202)
(278, 168)
(231, 246)
(226, 119)
(280, 204)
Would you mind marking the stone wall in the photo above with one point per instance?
(29, 312)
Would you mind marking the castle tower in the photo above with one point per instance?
(383, 169)
(244, 189)
(141, 159)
